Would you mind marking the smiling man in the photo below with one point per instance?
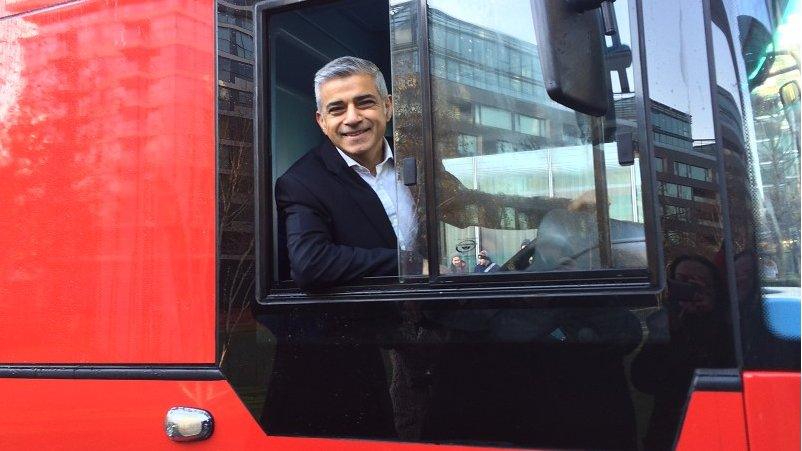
(341, 210)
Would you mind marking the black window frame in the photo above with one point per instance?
(520, 285)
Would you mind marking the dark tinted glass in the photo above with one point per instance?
(692, 328)
(243, 351)
(754, 59)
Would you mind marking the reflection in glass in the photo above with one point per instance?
(757, 64)
(682, 129)
(772, 63)
(238, 333)
(692, 328)
(507, 158)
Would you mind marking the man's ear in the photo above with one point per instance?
(388, 107)
(320, 122)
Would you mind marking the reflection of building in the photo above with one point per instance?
(497, 131)
(686, 171)
(246, 356)
(235, 115)
(495, 83)
(490, 83)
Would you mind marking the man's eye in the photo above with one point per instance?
(367, 103)
(336, 111)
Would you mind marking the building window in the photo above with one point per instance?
(493, 117)
(467, 145)
(685, 192)
(676, 212)
(531, 125)
(231, 99)
(691, 171)
(235, 42)
(700, 173)
(232, 71)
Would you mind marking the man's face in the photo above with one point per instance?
(354, 116)
(697, 274)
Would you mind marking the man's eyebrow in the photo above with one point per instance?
(365, 97)
(357, 99)
(336, 103)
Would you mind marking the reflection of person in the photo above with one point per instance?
(340, 205)
(484, 264)
(458, 265)
(692, 332)
(769, 269)
(746, 277)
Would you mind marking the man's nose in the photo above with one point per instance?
(352, 116)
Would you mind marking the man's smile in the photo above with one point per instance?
(355, 133)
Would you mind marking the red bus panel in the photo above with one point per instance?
(129, 415)
(107, 168)
(713, 421)
(772, 410)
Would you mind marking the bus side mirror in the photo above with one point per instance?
(570, 42)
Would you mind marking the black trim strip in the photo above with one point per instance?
(633, 292)
(726, 218)
(427, 129)
(724, 379)
(263, 201)
(145, 372)
(655, 251)
(219, 339)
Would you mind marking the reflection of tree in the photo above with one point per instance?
(780, 174)
(457, 204)
(236, 237)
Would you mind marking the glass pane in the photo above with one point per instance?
(690, 329)
(756, 51)
(682, 126)
(518, 180)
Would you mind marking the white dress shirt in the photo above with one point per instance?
(394, 196)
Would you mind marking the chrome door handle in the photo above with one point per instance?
(187, 424)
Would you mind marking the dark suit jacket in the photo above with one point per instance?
(335, 227)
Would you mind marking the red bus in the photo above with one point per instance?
(630, 169)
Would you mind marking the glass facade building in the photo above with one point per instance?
(686, 171)
(499, 133)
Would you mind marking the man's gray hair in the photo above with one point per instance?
(347, 66)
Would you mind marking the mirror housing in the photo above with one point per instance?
(571, 47)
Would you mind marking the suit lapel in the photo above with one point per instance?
(359, 191)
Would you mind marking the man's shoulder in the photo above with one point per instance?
(309, 166)
(309, 174)
(310, 161)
